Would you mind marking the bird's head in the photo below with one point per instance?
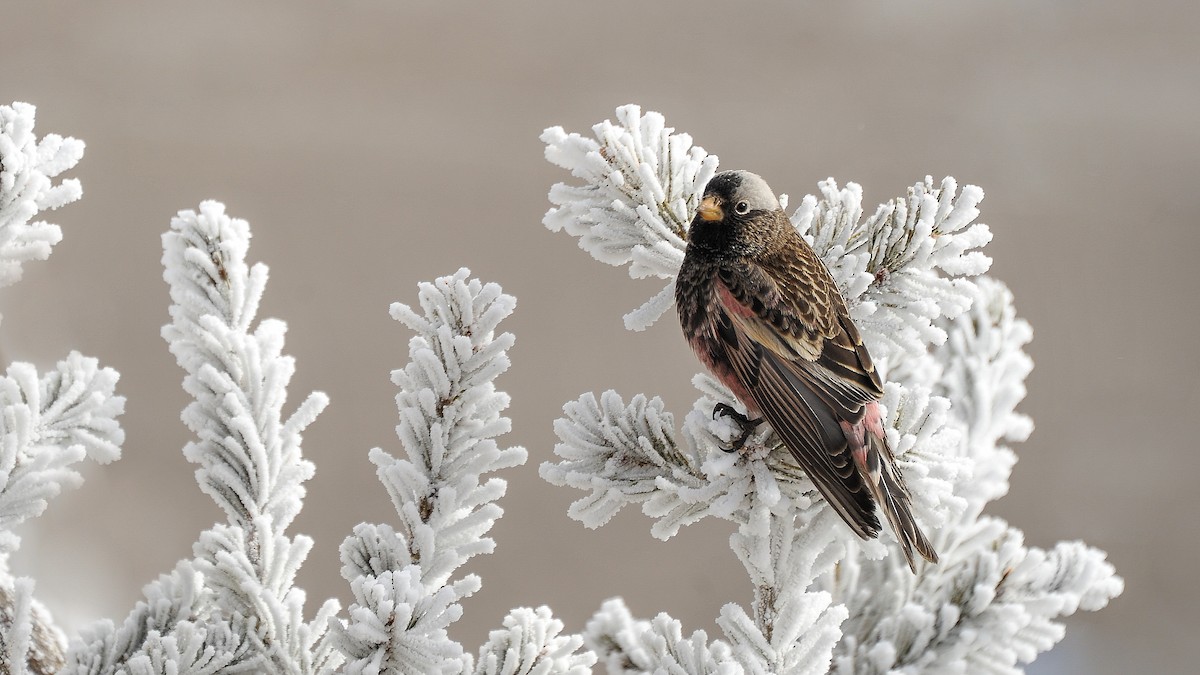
(738, 215)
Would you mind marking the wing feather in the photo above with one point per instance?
(807, 327)
(805, 425)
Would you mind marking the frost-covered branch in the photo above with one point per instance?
(951, 347)
(234, 605)
(403, 577)
(530, 644)
(627, 646)
(991, 607)
(48, 423)
(983, 368)
(28, 166)
(906, 265)
(621, 453)
(642, 185)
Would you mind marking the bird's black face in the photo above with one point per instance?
(726, 222)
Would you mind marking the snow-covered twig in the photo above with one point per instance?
(405, 593)
(991, 606)
(530, 644)
(642, 184)
(906, 265)
(983, 367)
(27, 167)
(234, 606)
(47, 423)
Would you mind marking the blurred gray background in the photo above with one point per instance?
(374, 145)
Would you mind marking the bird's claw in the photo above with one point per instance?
(746, 424)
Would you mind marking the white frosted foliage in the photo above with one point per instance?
(530, 644)
(946, 337)
(233, 606)
(984, 366)
(642, 185)
(249, 455)
(48, 422)
(47, 425)
(627, 646)
(906, 265)
(619, 452)
(991, 608)
(29, 640)
(792, 629)
(951, 346)
(28, 167)
(405, 577)
(926, 442)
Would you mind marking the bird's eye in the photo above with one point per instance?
(742, 208)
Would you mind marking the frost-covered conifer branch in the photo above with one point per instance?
(405, 595)
(983, 368)
(642, 185)
(233, 607)
(903, 267)
(48, 423)
(786, 537)
(249, 456)
(28, 166)
(991, 606)
(621, 453)
(628, 646)
(530, 644)
(951, 346)
(30, 641)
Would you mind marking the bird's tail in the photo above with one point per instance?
(893, 498)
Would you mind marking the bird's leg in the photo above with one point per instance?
(746, 424)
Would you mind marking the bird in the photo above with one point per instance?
(763, 314)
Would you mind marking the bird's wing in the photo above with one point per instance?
(796, 410)
(797, 314)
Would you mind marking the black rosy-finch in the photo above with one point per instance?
(764, 315)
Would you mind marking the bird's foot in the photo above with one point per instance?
(746, 424)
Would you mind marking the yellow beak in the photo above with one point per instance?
(710, 210)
